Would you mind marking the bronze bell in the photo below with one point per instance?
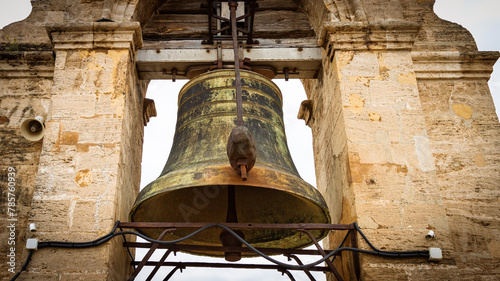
(196, 180)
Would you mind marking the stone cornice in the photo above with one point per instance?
(96, 35)
(381, 35)
(26, 64)
(454, 65)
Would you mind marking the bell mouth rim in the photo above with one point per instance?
(205, 176)
(213, 175)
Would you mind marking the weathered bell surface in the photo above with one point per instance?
(193, 186)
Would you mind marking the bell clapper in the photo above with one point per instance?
(242, 164)
(231, 215)
(227, 239)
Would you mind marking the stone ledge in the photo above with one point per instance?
(106, 35)
(381, 35)
(26, 64)
(454, 65)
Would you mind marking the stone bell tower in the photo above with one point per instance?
(406, 138)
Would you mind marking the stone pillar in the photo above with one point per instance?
(374, 161)
(464, 135)
(25, 84)
(89, 170)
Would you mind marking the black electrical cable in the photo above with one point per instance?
(25, 265)
(128, 249)
(419, 253)
(377, 252)
(109, 236)
(341, 243)
(305, 266)
(95, 242)
(42, 244)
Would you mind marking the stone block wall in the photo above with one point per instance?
(464, 136)
(85, 173)
(21, 72)
(383, 169)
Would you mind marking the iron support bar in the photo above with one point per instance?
(306, 271)
(284, 271)
(147, 256)
(180, 266)
(284, 268)
(210, 39)
(216, 34)
(160, 264)
(290, 253)
(232, 265)
(184, 247)
(251, 12)
(328, 261)
(355, 255)
(286, 226)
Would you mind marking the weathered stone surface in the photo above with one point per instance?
(395, 188)
(79, 184)
(19, 157)
(463, 133)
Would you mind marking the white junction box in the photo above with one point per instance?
(32, 244)
(435, 254)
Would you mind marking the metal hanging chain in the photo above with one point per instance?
(240, 146)
(234, 31)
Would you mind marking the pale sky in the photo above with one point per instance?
(480, 17)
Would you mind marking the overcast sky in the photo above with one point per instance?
(480, 17)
